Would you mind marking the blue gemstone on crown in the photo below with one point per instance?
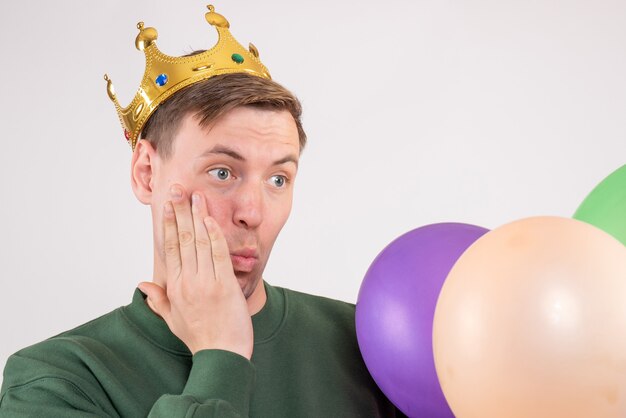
(161, 80)
(237, 58)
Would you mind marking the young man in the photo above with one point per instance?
(216, 146)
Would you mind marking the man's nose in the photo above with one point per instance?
(248, 211)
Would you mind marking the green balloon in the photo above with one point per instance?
(605, 207)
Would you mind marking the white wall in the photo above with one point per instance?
(423, 111)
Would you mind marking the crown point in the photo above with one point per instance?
(110, 89)
(145, 37)
(216, 19)
(253, 50)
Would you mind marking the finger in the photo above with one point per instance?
(186, 236)
(157, 298)
(170, 243)
(199, 211)
(222, 265)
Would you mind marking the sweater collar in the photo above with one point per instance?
(266, 323)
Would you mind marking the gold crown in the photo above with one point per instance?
(165, 75)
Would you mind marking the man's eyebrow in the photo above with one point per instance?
(222, 149)
(287, 159)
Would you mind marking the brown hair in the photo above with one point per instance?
(211, 98)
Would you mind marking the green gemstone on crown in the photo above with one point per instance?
(237, 58)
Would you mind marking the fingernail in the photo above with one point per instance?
(195, 199)
(175, 192)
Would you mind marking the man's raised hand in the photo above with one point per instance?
(202, 302)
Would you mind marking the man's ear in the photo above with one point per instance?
(142, 168)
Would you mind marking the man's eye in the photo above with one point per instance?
(278, 181)
(220, 173)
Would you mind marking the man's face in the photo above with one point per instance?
(245, 164)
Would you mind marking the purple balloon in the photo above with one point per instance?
(395, 311)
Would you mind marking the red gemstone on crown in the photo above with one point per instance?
(127, 135)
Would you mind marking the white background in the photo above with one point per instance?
(480, 111)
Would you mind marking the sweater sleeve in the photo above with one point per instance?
(220, 384)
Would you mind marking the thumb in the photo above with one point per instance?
(157, 297)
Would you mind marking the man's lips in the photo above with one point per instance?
(245, 259)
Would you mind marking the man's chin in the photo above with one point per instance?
(248, 281)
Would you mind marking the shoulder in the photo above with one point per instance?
(320, 312)
(58, 374)
(63, 356)
(321, 304)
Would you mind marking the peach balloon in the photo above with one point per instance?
(531, 323)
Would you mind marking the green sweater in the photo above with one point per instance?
(127, 363)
